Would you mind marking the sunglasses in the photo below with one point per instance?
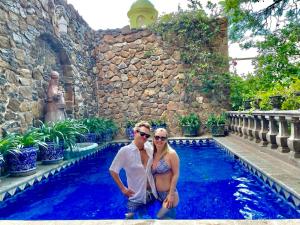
(143, 134)
(160, 138)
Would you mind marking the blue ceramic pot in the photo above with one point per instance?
(22, 163)
(129, 133)
(53, 153)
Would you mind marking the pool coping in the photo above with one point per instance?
(9, 186)
(155, 222)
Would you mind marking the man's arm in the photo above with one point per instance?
(126, 191)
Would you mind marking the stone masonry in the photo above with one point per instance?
(121, 73)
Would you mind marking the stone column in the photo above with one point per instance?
(245, 127)
(240, 125)
(250, 128)
(236, 123)
(257, 128)
(294, 139)
(273, 131)
(283, 134)
(263, 131)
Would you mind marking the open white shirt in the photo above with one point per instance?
(129, 159)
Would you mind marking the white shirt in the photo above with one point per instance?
(129, 159)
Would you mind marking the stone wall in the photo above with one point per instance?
(121, 73)
(30, 47)
(140, 76)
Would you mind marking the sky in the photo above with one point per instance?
(110, 14)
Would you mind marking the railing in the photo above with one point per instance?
(279, 129)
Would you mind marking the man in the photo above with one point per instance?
(136, 159)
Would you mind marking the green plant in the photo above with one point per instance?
(149, 53)
(215, 120)
(158, 122)
(30, 138)
(8, 143)
(130, 123)
(191, 120)
(65, 131)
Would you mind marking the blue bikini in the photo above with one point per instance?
(161, 168)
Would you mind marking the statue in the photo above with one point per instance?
(55, 109)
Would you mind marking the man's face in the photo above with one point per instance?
(142, 134)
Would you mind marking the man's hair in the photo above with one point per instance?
(142, 124)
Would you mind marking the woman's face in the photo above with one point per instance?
(160, 138)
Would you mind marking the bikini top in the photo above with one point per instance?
(162, 167)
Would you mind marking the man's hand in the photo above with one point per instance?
(127, 192)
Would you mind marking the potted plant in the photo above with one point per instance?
(129, 125)
(8, 143)
(158, 123)
(190, 124)
(110, 130)
(276, 101)
(216, 124)
(22, 156)
(59, 136)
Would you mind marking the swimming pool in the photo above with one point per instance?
(212, 185)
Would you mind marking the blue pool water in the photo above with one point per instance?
(212, 185)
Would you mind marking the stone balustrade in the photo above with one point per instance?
(279, 129)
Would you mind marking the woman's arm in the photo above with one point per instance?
(174, 160)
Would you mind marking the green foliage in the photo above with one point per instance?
(30, 138)
(99, 125)
(149, 53)
(277, 65)
(248, 15)
(158, 122)
(289, 92)
(195, 33)
(130, 123)
(192, 120)
(215, 120)
(8, 143)
(65, 131)
(279, 54)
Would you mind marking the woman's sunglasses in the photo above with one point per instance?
(160, 138)
(143, 134)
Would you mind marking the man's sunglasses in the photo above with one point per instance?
(160, 138)
(143, 134)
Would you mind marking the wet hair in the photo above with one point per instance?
(166, 148)
(142, 124)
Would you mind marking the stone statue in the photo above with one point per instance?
(55, 110)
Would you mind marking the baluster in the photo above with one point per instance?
(294, 139)
(257, 127)
(245, 126)
(250, 128)
(273, 131)
(230, 123)
(263, 131)
(283, 134)
(240, 125)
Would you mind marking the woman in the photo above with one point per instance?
(165, 169)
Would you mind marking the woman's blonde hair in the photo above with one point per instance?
(166, 148)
